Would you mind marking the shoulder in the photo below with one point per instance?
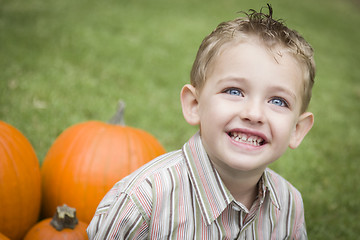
(158, 166)
(141, 178)
(139, 183)
(129, 202)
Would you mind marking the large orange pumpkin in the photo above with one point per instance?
(63, 226)
(20, 187)
(87, 159)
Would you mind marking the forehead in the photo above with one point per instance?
(254, 61)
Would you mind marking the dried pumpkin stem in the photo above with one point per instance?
(118, 117)
(65, 217)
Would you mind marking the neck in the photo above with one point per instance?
(242, 186)
(245, 193)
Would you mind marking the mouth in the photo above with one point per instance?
(246, 138)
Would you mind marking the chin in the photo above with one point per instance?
(246, 167)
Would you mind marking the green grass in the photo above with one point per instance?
(65, 62)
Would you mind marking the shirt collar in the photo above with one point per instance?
(271, 187)
(212, 195)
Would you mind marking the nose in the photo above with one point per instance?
(252, 111)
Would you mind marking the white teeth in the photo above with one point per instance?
(253, 140)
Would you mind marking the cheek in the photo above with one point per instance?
(216, 114)
(209, 110)
(284, 130)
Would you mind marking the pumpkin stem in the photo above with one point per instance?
(118, 117)
(65, 217)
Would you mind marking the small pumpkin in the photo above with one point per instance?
(87, 159)
(20, 187)
(63, 226)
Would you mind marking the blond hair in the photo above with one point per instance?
(270, 32)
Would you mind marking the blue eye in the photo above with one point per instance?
(234, 91)
(279, 102)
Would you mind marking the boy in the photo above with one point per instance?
(250, 87)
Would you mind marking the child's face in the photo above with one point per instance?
(249, 108)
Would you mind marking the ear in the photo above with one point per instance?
(303, 126)
(189, 104)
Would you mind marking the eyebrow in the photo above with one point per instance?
(231, 79)
(286, 91)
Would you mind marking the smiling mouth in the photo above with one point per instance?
(246, 138)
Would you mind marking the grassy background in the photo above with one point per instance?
(65, 62)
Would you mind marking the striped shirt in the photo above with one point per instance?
(180, 195)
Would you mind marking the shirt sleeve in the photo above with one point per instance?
(301, 233)
(117, 217)
(300, 230)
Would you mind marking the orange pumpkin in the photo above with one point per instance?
(87, 159)
(20, 187)
(63, 226)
